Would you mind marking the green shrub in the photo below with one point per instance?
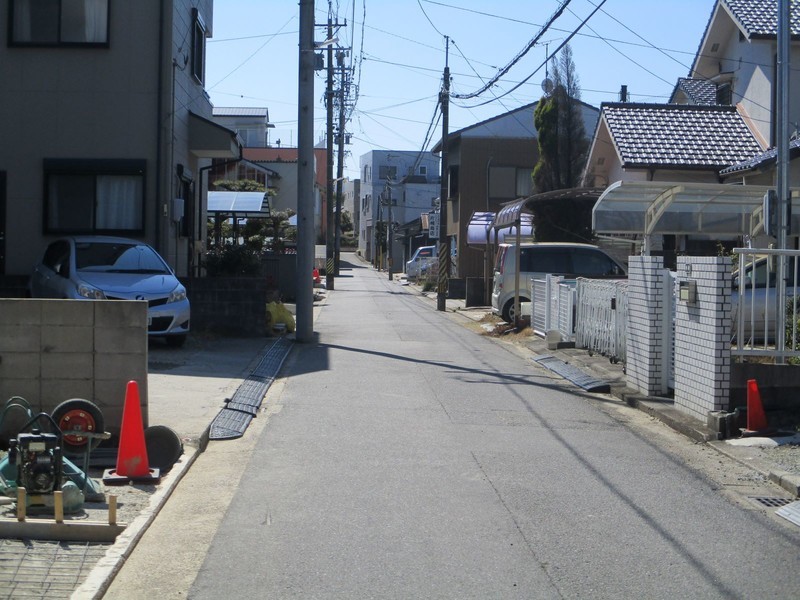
(232, 260)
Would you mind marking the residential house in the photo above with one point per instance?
(489, 164)
(107, 126)
(351, 195)
(396, 186)
(281, 162)
(720, 127)
(250, 124)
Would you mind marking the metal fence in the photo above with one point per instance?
(602, 317)
(757, 285)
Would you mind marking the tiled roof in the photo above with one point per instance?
(674, 135)
(220, 111)
(699, 91)
(759, 18)
(761, 159)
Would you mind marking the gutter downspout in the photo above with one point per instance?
(159, 116)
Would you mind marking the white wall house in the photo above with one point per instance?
(412, 181)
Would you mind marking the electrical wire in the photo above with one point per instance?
(518, 57)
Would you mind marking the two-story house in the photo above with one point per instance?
(106, 125)
(719, 128)
(490, 164)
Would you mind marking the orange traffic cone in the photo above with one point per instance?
(756, 417)
(132, 463)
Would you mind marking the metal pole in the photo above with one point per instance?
(784, 200)
(340, 161)
(305, 175)
(389, 232)
(444, 246)
(330, 231)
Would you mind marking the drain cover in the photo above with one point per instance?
(769, 502)
(229, 424)
(790, 512)
(573, 374)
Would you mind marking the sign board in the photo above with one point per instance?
(433, 226)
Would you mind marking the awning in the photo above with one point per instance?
(509, 214)
(481, 223)
(657, 207)
(210, 140)
(250, 205)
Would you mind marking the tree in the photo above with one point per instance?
(558, 117)
(563, 150)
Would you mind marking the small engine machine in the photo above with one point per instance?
(39, 461)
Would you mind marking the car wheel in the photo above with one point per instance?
(175, 341)
(78, 415)
(509, 316)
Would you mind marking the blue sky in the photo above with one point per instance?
(397, 50)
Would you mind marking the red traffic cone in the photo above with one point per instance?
(132, 463)
(756, 417)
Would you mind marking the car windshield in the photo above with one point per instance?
(118, 257)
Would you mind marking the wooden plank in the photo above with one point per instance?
(68, 531)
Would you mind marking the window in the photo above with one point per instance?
(387, 172)
(725, 94)
(198, 47)
(94, 196)
(423, 170)
(58, 22)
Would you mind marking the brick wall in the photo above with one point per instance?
(56, 350)
(703, 337)
(646, 352)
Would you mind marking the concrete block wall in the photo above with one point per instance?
(56, 350)
(703, 337)
(645, 358)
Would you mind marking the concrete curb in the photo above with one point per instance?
(101, 576)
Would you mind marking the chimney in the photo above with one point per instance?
(623, 93)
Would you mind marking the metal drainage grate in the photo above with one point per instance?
(573, 374)
(769, 502)
(233, 420)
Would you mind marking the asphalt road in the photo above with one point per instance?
(404, 456)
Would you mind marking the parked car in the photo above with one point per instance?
(422, 257)
(539, 259)
(759, 298)
(114, 268)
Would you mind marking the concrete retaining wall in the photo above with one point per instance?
(55, 350)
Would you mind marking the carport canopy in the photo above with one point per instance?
(248, 205)
(657, 207)
(480, 226)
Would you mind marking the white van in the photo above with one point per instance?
(422, 257)
(540, 259)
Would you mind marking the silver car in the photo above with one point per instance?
(114, 268)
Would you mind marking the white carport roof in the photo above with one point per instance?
(657, 207)
(242, 204)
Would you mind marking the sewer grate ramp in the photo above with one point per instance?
(242, 407)
(573, 374)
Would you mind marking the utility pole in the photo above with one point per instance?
(305, 175)
(329, 224)
(389, 228)
(784, 203)
(340, 158)
(444, 245)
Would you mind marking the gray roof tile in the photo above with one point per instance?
(699, 91)
(762, 158)
(679, 135)
(759, 18)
